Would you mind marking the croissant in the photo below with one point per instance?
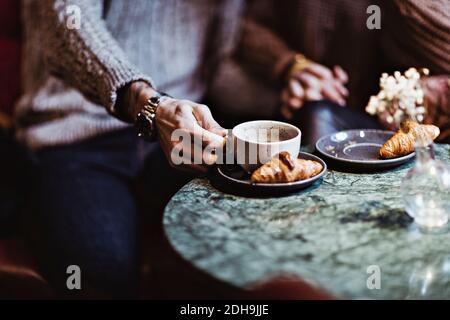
(402, 143)
(283, 168)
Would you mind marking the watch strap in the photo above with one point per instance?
(145, 121)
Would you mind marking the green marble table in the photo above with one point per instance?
(331, 235)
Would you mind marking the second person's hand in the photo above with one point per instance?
(314, 82)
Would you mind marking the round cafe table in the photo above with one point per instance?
(348, 236)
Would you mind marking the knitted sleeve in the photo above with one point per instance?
(262, 48)
(417, 33)
(80, 50)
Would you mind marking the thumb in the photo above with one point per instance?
(206, 121)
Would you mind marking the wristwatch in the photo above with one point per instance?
(300, 62)
(145, 120)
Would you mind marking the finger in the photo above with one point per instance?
(296, 89)
(191, 153)
(220, 131)
(319, 71)
(340, 88)
(209, 138)
(309, 81)
(190, 167)
(187, 166)
(340, 74)
(290, 100)
(206, 120)
(200, 135)
(182, 154)
(295, 103)
(329, 92)
(313, 95)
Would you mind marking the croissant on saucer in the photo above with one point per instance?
(402, 143)
(284, 168)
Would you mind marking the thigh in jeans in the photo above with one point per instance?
(87, 216)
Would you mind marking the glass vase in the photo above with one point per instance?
(426, 190)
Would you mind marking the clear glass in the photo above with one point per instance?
(430, 279)
(426, 190)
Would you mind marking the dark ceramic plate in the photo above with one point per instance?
(238, 180)
(359, 149)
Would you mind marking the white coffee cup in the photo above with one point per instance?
(256, 142)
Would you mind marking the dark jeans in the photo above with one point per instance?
(319, 118)
(87, 213)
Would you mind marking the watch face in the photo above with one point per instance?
(155, 100)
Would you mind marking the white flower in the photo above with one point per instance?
(400, 95)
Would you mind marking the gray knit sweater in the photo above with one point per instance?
(71, 76)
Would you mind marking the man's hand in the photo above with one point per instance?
(183, 118)
(175, 118)
(314, 82)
